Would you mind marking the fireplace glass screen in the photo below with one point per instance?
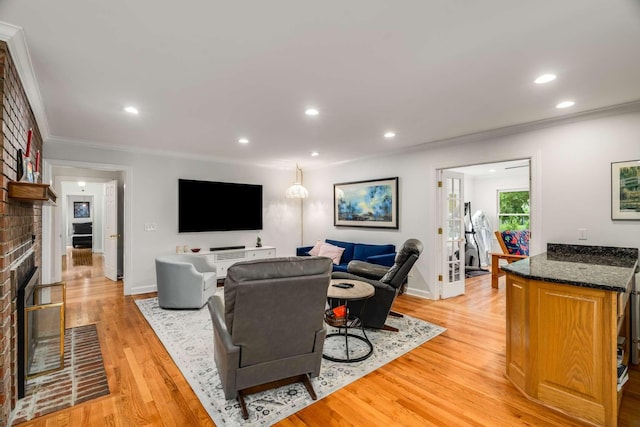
(45, 329)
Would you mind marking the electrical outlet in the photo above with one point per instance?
(582, 234)
(150, 226)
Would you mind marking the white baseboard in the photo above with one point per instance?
(419, 293)
(143, 289)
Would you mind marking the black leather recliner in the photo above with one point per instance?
(386, 281)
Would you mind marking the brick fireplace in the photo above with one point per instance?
(20, 221)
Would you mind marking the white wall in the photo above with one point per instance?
(570, 189)
(152, 189)
(571, 165)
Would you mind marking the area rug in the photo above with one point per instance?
(82, 378)
(475, 273)
(188, 337)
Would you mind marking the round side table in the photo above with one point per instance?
(338, 296)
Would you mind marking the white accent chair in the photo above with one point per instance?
(185, 280)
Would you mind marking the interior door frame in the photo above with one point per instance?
(110, 256)
(69, 219)
(51, 221)
(448, 287)
(536, 243)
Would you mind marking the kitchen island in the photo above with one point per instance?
(566, 310)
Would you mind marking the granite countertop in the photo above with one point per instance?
(599, 267)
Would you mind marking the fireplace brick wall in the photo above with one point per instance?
(20, 222)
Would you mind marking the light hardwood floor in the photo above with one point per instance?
(456, 379)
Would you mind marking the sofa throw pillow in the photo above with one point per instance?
(333, 252)
(315, 250)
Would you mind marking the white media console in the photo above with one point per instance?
(223, 259)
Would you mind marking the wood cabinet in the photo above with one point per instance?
(517, 334)
(561, 346)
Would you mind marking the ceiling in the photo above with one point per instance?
(205, 73)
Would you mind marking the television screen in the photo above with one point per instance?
(218, 206)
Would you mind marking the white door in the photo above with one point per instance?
(111, 230)
(451, 200)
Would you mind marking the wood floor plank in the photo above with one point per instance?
(455, 379)
(138, 378)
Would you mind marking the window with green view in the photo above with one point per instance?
(513, 210)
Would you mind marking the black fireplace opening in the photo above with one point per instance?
(26, 285)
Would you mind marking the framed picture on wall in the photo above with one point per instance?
(625, 190)
(81, 210)
(371, 204)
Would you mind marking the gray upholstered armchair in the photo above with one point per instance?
(386, 281)
(269, 329)
(185, 280)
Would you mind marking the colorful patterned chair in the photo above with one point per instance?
(515, 246)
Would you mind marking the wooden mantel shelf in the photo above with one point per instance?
(31, 191)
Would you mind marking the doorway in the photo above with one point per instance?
(83, 186)
(469, 219)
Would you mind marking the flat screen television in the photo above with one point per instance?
(218, 206)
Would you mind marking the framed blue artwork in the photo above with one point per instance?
(371, 204)
(81, 210)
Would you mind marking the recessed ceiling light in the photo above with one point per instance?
(565, 104)
(131, 110)
(314, 154)
(492, 170)
(545, 78)
(389, 134)
(243, 141)
(311, 112)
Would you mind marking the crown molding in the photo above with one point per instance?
(17, 43)
(70, 142)
(629, 107)
(611, 110)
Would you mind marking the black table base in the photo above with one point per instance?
(346, 336)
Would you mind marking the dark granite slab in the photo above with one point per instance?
(602, 255)
(599, 267)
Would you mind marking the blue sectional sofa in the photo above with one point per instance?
(376, 254)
